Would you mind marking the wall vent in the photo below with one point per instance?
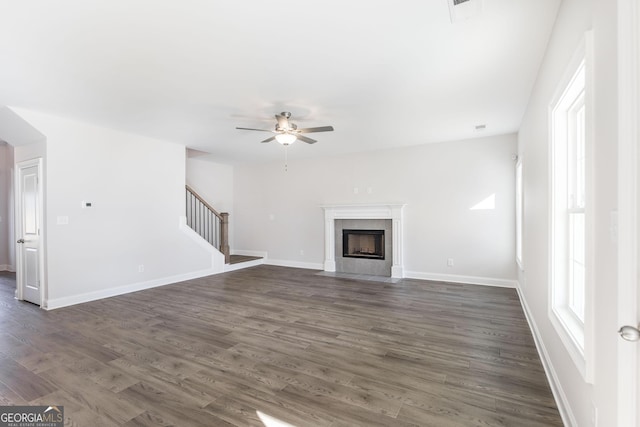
(461, 10)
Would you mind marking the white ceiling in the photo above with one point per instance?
(383, 73)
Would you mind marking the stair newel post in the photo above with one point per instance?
(224, 237)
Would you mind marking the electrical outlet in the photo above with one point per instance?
(301, 251)
(141, 268)
(450, 262)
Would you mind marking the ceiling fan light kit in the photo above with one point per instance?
(286, 132)
(286, 138)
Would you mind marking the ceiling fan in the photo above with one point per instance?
(286, 132)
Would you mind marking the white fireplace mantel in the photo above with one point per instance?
(392, 211)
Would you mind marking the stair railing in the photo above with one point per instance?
(210, 224)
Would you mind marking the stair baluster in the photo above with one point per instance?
(207, 222)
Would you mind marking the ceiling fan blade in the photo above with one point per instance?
(269, 139)
(318, 129)
(261, 130)
(305, 139)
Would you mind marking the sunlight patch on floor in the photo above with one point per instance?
(270, 421)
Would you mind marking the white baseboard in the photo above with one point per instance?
(455, 278)
(568, 419)
(295, 264)
(472, 280)
(7, 267)
(121, 290)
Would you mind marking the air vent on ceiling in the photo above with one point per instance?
(461, 10)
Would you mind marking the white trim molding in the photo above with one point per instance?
(294, 264)
(464, 280)
(628, 209)
(392, 211)
(574, 329)
(121, 290)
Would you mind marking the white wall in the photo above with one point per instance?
(136, 186)
(7, 250)
(574, 18)
(214, 182)
(279, 212)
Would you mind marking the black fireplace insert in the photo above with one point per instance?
(363, 244)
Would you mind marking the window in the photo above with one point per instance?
(569, 214)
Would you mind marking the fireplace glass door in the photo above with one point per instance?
(363, 244)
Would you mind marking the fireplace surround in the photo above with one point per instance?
(389, 211)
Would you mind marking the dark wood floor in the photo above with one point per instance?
(304, 349)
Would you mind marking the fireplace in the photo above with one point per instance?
(358, 217)
(367, 244)
(363, 246)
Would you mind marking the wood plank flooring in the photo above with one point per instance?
(281, 343)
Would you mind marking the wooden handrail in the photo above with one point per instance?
(204, 202)
(205, 231)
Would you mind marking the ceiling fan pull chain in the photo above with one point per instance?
(286, 157)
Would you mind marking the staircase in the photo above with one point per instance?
(210, 224)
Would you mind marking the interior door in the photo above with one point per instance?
(628, 224)
(29, 205)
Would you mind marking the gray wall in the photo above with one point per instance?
(280, 212)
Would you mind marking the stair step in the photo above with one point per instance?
(236, 259)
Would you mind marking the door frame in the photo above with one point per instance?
(18, 228)
(628, 209)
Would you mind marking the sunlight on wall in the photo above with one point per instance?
(269, 421)
(487, 204)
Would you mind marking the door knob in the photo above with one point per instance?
(630, 333)
(21, 241)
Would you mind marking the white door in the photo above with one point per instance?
(28, 229)
(629, 213)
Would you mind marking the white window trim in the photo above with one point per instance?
(520, 214)
(568, 327)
